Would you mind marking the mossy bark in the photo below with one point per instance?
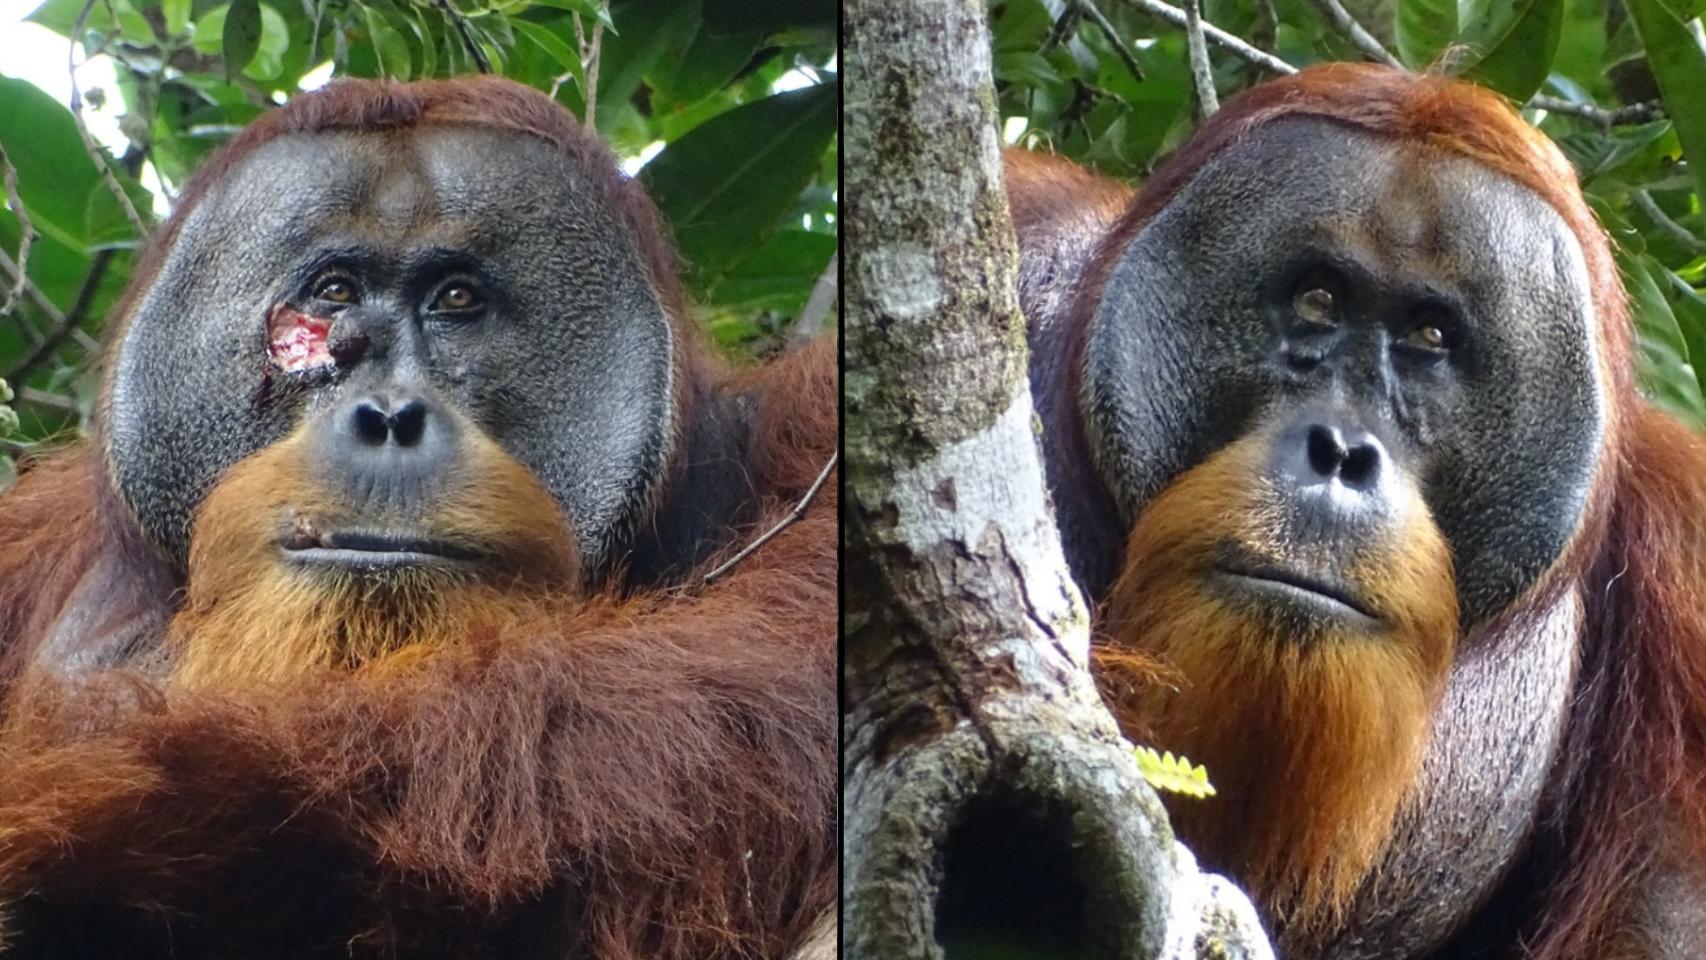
(969, 704)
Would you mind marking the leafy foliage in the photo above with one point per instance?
(1173, 774)
(1618, 83)
(732, 104)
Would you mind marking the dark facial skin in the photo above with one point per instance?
(471, 267)
(1314, 271)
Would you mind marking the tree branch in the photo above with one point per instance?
(793, 516)
(822, 298)
(90, 147)
(1346, 24)
(65, 324)
(966, 645)
(1204, 100)
(1226, 41)
(1644, 112)
(26, 235)
(1121, 48)
(467, 35)
(34, 294)
(590, 51)
(42, 398)
(1676, 231)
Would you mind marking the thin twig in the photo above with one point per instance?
(1226, 41)
(793, 515)
(818, 304)
(461, 22)
(1346, 24)
(1644, 112)
(41, 398)
(1676, 231)
(314, 33)
(1062, 28)
(558, 81)
(26, 234)
(1204, 99)
(34, 294)
(590, 49)
(64, 324)
(1121, 48)
(89, 144)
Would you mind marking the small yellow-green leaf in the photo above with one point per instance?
(1173, 774)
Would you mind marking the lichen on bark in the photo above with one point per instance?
(970, 715)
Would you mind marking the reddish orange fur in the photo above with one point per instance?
(535, 772)
(49, 527)
(249, 617)
(1046, 191)
(1632, 785)
(1298, 819)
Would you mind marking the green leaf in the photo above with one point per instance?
(57, 181)
(1423, 28)
(1025, 66)
(425, 41)
(57, 15)
(1622, 45)
(1511, 44)
(1690, 310)
(650, 28)
(551, 44)
(389, 46)
(596, 9)
(1020, 25)
(770, 17)
(732, 331)
(710, 62)
(1623, 156)
(268, 62)
(778, 275)
(1679, 65)
(725, 185)
(177, 14)
(132, 26)
(241, 35)
(1662, 360)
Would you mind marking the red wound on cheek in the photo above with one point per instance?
(297, 341)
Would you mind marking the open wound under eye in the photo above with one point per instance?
(297, 341)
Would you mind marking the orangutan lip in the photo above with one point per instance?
(366, 549)
(1271, 577)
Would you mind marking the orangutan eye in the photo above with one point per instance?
(1315, 302)
(457, 297)
(1433, 330)
(1315, 306)
(335, 288)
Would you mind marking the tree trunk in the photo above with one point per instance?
(991, 804)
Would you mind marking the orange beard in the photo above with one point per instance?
(252, 617)
(1312, 733)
